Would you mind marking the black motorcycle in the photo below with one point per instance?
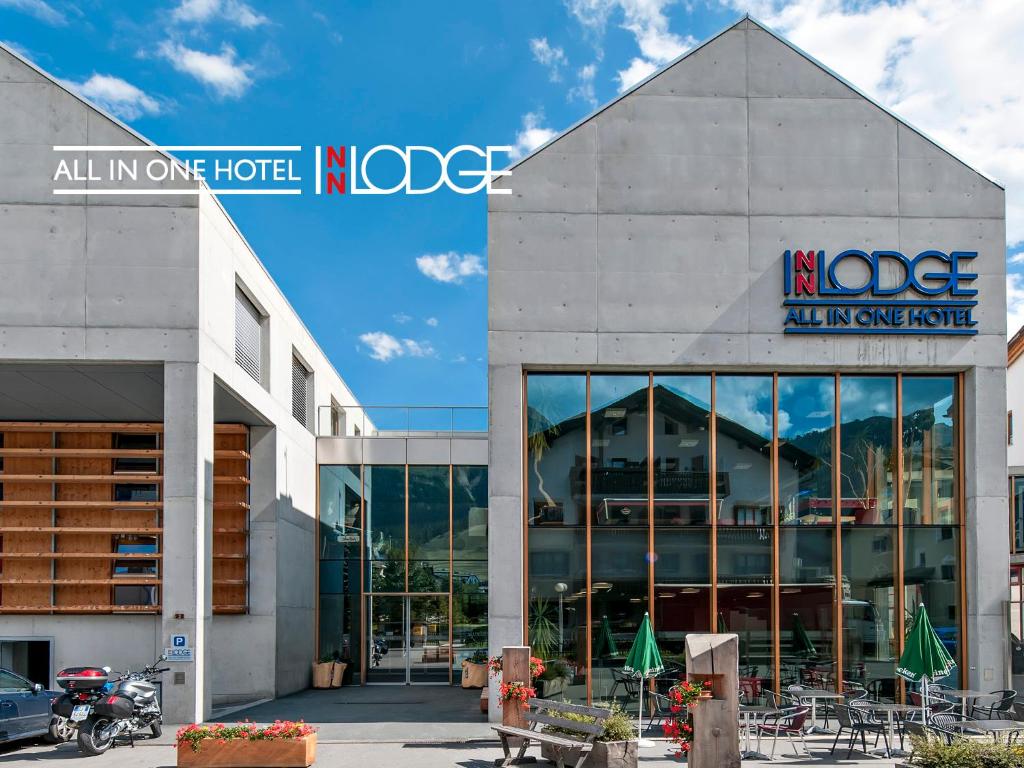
(130, 706)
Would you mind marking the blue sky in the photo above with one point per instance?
(446, 73)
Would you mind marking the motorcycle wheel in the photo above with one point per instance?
(157, 728)
(89, 740)
(60, 730)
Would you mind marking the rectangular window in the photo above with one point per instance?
(302, 392)
(1009, 427)
(248, 335)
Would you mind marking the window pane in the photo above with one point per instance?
(867, 405)
(807, 606)
(931, 575)
(745, 555)
(469, 571)
(557, 623)
(681, 449)
(743, 406)
(619, 594)
(929, 451)
(1018, 514)
(682, 588)
(806, 423)
(747, 611)
(429, 529)
(618, 431)
(339, 564)
(869, 609)
(385, 528)
(556, 449)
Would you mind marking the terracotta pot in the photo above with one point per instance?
(605, 754)
(242, 753)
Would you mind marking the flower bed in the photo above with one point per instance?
(284, 744)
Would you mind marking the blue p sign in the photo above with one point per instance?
(179, 641)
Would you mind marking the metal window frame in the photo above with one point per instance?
(897, 524)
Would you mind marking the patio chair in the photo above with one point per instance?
(788, 723)
(955, 723)
(913, 728)
(629, 683)
(855, 721)
(658, 708)
(1018, 711)
(999, 709)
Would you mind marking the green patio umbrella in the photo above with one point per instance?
(643, 661)
(606, 640)
(802, 644)
(924, 657)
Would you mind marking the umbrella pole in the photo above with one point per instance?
(924, 700)
(641, 741)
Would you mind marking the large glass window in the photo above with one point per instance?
(429, 529)
(931, 576)
(618, 441)
(807, 606)
(682, 588)
(469, 563)
(869, 608)
(806, 424)
(867, 405)
(682, 457)
(929, 451)
(1017, 506)
(338, 544)
(743, 407)
(385, 528)
(556, 472)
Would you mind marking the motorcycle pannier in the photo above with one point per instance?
(63, 705)
(115, 706)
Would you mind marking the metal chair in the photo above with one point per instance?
(854, 720)
(659, 707)
(629, 683)
(955, 723)
(997, 710)
(789, 723)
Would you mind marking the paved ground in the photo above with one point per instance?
(389, 755)
(389, 727)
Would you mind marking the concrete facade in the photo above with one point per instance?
(650, 237)
(131, 285)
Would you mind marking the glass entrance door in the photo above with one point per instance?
(407, 641)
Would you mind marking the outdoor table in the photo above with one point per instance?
(750, 715)
(890, 711)
(998, 727)
(964, 695)
(813, 694)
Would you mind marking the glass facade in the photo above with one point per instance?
(808, 514)
(403, 570)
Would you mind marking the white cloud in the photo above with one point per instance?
(584, 88)
(385, 347)
(549, 56)
(432, 322)
(117, 96)
(401, 318)
(450, 267)
(948, 67)
(232, 11)
(221, 72)
(38, 8)
(637, 70)
(459, 359)
(532, 135)
(1014, 303)
(1017, 258)
(646, 21)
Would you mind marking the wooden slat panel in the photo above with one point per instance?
(123, 453)
(67, 503)
(80, 555)
(63, 529)
(30, 515)
(120, 479)
(81, 426)
(230, 518)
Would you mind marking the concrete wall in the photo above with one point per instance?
(651, 236)
(135, 279)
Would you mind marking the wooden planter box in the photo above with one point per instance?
(242, 753)
(548, 689)
(605, 754)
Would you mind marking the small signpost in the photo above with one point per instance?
(179, 649)
(716, 741)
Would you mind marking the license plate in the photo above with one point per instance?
(80, 712)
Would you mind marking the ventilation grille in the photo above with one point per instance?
(248, 334)
(302, 392)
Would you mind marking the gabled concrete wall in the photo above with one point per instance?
(652, 234)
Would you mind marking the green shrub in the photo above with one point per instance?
(618, 727)
(554, 670)
(963, 753)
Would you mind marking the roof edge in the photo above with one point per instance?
(764, 27)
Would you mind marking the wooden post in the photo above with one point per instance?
(716, 742)
(515, 667)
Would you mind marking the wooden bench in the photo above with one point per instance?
(545, 712)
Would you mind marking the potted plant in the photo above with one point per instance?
(614, 748)
(554, 680)
(285, 744)
(683, 697)
(474, 671)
